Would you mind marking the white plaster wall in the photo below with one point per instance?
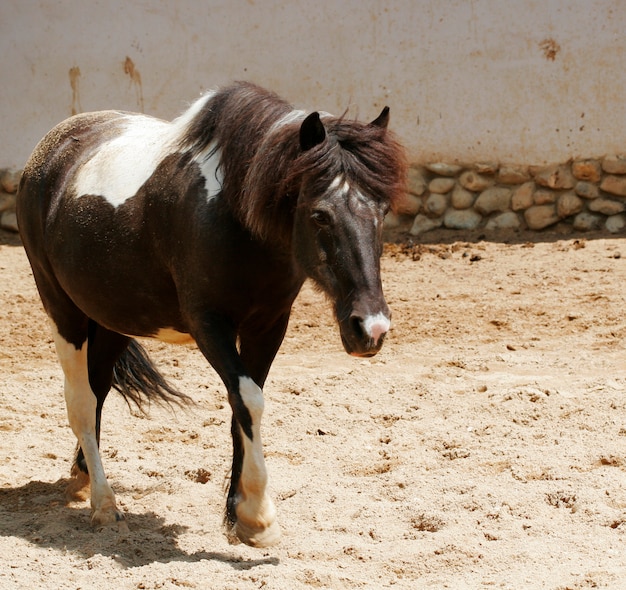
(518, 81)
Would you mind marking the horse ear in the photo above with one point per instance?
(312, 132)
(382, 120)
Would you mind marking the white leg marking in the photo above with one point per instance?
(376, 326)
(81, 412)
(256, 514)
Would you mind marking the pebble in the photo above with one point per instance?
(568, 204)
(523, 197)
(9, 180)
(416, 181)
(512, 175)
(488, 168)
(441, 185)
(461, 198)
(544, 197)
(422, 224)
(409, 204)
(606, 206)
(391, 221)
(614, 164)
(8, 221)
(587, 190)
(588, 170)
(444, 169)
(7, 201)
(507, 220)
(586, 221)
(474, 182)
(540, 216)
(557, 176)
(616, 185)
(615, 224)
(466, 219)
(436, 204)
(492, 200)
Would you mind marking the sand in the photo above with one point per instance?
(484, 447)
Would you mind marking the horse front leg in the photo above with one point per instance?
(250, 512)
(81, 405)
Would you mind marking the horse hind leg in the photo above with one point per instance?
(82, 409)
(103, 349)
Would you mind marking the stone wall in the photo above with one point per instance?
(587, 194)
(9, 180)
(583, 194)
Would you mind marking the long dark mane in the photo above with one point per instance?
(262, 164)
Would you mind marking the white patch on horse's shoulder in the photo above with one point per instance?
(173, 336)
(120, 167)
(376, 326)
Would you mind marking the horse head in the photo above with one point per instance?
(350, 184)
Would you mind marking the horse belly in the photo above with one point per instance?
(173, 336)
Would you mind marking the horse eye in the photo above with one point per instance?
(321, 218)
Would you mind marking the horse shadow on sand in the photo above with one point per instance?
(38, 512)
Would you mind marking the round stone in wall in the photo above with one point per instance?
(615, 223)
(540, 216)
(568, 204)
(462, 219)
(586, 221)
(492, 200)
(606, 206)
(461, 198)
(614, 164)
(441, 185)
(422, 224)
(472, 181)
(436, 204)
(507, 220)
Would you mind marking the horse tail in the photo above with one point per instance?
(138, 380)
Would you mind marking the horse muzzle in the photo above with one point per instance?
(363, 334)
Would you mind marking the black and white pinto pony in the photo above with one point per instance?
(203, 229)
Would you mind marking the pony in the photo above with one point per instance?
(203, 229)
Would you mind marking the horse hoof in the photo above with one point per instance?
(108, 516)
(254, 536)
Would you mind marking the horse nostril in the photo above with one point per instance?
(372, 327)
(356, 323)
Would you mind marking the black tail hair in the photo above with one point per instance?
(139, 381)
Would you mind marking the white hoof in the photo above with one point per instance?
(255, 537)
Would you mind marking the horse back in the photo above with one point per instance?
(132, 229)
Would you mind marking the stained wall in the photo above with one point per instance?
(533, 81)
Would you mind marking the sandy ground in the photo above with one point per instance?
(485, 446)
